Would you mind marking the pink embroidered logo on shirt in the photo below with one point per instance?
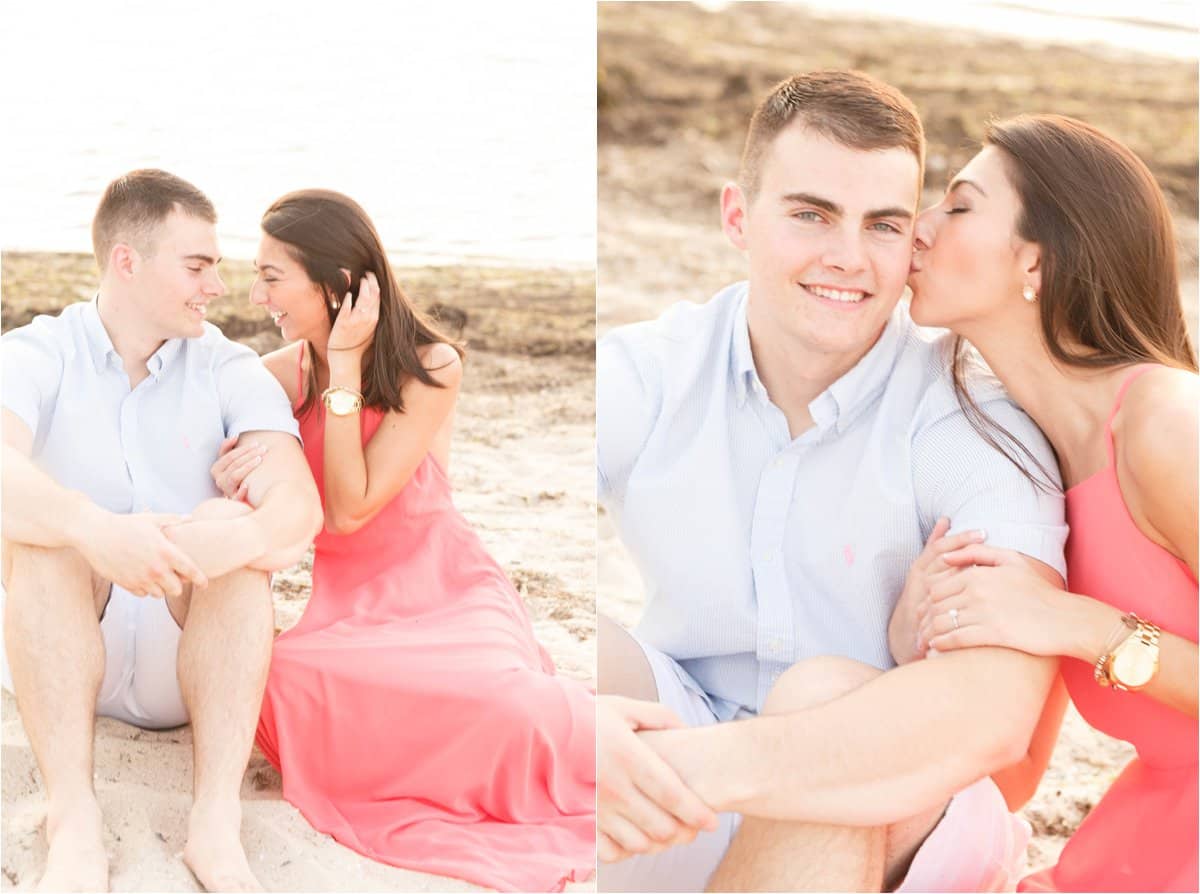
(187, 445)
(848, 552)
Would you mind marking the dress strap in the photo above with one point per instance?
(1129, 379)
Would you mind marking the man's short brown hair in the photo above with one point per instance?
(137, 202)
(849, 107)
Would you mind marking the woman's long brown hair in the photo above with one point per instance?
(1109, 282)
(327, 232)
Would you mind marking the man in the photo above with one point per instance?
(130, 591)
(775, 460)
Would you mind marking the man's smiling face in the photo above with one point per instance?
(828, 235)
(177, 277)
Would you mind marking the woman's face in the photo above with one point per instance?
(968, 261)
(295, 302)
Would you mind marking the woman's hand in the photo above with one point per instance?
(233, 465)
(904, 626)
(991, 597)
(354, 328)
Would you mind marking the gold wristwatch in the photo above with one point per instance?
(1133, 663)
(342, 401)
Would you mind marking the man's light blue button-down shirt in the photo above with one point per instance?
(758, 550)
(149, 447)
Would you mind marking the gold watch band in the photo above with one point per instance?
(1148, 634)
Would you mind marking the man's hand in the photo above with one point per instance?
(133, 552)
(643, 806)
(905, 625)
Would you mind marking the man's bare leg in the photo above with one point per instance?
(622, 668)
(56, 656)
(770, 855)
(224, 654)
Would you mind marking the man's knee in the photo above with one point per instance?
(30, 567)
(219, 509)
(814, 681)
(622, 666)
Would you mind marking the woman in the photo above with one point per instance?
(1053, 254)
(411, 712)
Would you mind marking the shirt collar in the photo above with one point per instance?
(842, 401)
(104, 355)
(741, 357)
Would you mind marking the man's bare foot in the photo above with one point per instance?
(214, 851)
(76, 860)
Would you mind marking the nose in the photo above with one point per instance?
(256, 292)
(214, 285)
(844, 251)
(923, 231)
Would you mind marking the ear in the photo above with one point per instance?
(733, 214)
(1029, 260)
(124, 260)
(349, 277)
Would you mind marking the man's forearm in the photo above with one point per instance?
(39, 511)
(900, 744)
(284, 524)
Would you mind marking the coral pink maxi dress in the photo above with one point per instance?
(1142, 835)
(411, 712)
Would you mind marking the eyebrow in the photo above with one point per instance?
(962, 181)
(807, 198)
(208, 259)
(267, 267)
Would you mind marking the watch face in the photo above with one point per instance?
(341, 403)
(1134, 663)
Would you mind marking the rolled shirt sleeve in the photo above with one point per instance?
(627, 401)
(251, 398)
(33, 370)
(957, 474)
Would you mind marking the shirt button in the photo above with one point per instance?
(774, 645)
(769, 556)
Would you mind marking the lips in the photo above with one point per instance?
(277, 315)
(201, 309)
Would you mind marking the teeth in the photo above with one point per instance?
(201, 309)
(277, 315)
(837, 294)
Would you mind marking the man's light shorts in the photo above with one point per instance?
(141, 642)
(977, 846)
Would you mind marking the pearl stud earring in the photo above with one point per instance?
(1029, 294)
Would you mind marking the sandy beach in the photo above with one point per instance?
(522, 470)
(677, 84)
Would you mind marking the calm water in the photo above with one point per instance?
(466, 131)
(1159, 27)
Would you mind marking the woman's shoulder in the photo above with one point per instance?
(1156, 430)
(1160, 404)
(442, 362)
(284, 364)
